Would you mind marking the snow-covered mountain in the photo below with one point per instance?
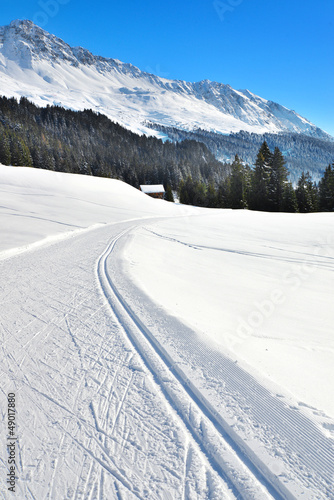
(45, 69)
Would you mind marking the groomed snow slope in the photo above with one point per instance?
(261, 290)
(120, 336)
(39, 204)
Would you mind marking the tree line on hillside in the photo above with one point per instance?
(86, 142)
(301, 152)
(265, 187)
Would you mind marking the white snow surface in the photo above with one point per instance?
(261, 290)
(46, 70)
(40, 204)
(163, 351)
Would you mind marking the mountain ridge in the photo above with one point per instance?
(44, 68)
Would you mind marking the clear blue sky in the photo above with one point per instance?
(282, 50)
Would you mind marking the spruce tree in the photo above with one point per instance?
(199, 199)
(307, 194)
(169, 195)
(211, 196)
(259, 199)
(237, 185)
(278, 177)
(184, 192)
(19, 151)
(5, 156)
(223, 194)
(326, 190)
(289, 199)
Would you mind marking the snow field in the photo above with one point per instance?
(37, 204)
(182, 394)
(233, 271)
(135, 334)
(261, 290)
(92, 422)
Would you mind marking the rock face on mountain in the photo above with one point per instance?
(42, 67)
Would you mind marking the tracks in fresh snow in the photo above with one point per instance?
(300, 456)
(93, 421)
(234, 461)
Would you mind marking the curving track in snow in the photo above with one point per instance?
(108, 402)
(300, 458)
(247, 479)
(92, 423)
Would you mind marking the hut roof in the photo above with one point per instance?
(152, 188)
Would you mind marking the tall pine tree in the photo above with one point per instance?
(277, 181)
(307, 194)
(259, 196)
(5, 156)
(289, 201)
(326, 190)
(169, 195)
(238, 185)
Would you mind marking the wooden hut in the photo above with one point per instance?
(153, 190)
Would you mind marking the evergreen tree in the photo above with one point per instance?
(48, 160)
(19, 151)
(307, 194)
(237, 185)
(184, 189)
(199, 199)
(223, 194)
(259, 199)
(278, 177)
(326, 190)
(289, 199)
(211, 196)
(169, 195)
(5, 156)
(193, 193)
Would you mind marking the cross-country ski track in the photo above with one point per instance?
(109, 401)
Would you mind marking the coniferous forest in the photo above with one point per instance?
(89, 143)
(301, 152)
(265, 187)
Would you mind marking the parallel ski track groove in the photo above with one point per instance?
(291, 421)
(311, 448)
(289, 430)
(262, 473)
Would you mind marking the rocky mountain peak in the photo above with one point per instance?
(129, 95)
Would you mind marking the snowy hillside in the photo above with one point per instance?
(43, 68)
(39, 205)
(163, 351)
